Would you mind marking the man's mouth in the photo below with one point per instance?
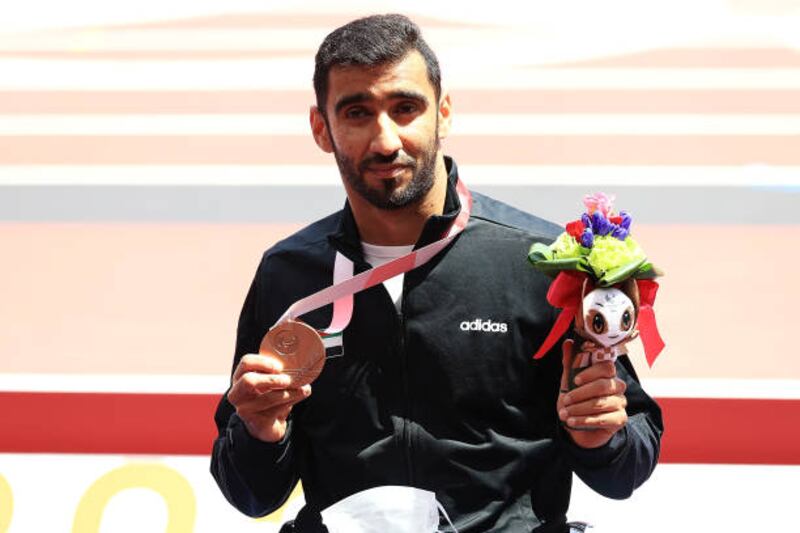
(386, 171)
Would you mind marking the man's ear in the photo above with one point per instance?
(445, 115)
(319, 129)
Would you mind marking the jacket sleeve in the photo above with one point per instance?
(256, 477)
(627, 460)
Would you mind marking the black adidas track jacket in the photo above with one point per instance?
(444, 395)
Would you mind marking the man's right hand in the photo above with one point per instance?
(263, 396)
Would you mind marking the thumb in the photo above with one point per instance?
(566, 363)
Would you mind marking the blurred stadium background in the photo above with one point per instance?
(149, 153)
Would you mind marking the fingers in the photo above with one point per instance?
(254, 375)
(265, 416)
(253, 384)
(603, 369)
(263, 396)
(250, 400)
(265, 364)
(597, 403)
(595, 389)
(603, 404)
(612, 421)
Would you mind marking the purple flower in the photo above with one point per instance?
(587, 239)
(619, 233)
(587, 220)
(600, 224)
(626, 220)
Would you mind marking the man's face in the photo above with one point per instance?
(382, 124)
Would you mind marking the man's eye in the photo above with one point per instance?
(356, 112)
(407, 108)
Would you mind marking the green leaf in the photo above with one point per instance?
(620, 273)
(539, 252)
(648, 271)
(543, 261)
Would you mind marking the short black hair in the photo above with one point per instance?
(372, 41)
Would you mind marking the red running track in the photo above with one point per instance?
(698, 430)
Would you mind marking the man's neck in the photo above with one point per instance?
(396, 227)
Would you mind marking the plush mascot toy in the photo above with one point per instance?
(604, 286)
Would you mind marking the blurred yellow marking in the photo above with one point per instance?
(6, 504)
(168, 483)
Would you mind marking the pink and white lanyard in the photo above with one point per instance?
(345, 284)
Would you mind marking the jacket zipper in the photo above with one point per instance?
(406, 431)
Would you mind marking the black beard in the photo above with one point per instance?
(389, 197)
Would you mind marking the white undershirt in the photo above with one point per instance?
(377, 255)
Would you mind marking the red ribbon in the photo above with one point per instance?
(648, 331)
(565, 293)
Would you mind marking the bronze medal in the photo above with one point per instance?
(300, 349)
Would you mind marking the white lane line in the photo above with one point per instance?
(209, 39)
(294, 73)
(619, 78)
(698, 498)
(212, 384)
(135, 124)
(786, 389)
(466, 124)
(615, 124)
(633, 176)
(448, 40)
(119, 383)
(328, 175)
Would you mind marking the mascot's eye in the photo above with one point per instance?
(598, 323)
(626, 319)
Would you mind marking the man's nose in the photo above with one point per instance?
(386, 140)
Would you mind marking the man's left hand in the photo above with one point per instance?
(596, 405)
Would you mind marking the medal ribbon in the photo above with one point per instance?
(342, 291)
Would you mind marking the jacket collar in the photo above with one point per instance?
(346, 238)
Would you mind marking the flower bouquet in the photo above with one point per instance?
(604, 282)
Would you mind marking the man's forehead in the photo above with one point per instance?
(408, 74)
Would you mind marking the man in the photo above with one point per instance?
(436, 387)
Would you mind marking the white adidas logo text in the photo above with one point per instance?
(484, 325)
